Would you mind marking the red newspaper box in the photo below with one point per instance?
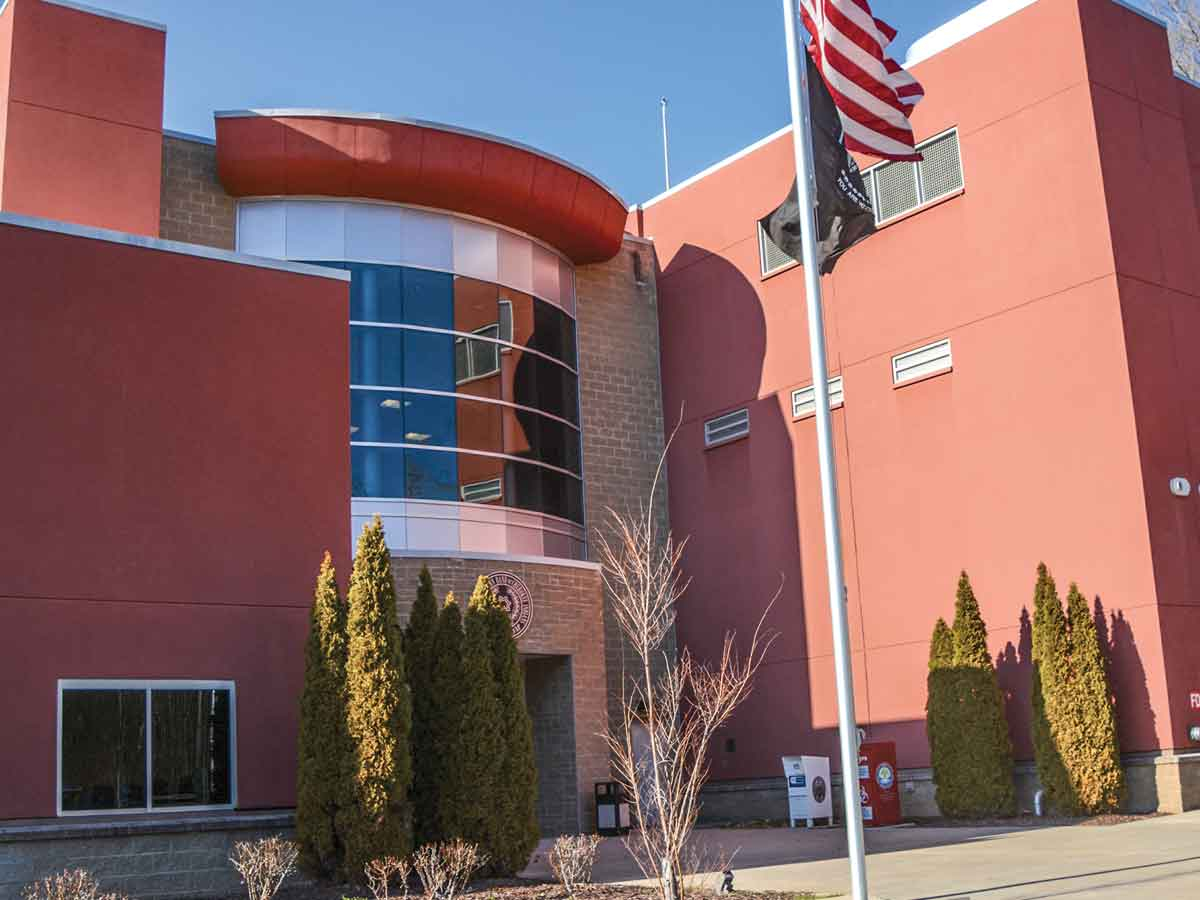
(877, 787)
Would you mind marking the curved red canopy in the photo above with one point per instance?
(313, 153)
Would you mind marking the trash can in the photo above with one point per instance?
(612, 809)
(877, 783)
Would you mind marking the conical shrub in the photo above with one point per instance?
(969, 732)
(322, 742)
(419, 638)
(1052, 722)
(451, 811)
(378, 713)
(1094, 760)
(481, 750)
(516, 767)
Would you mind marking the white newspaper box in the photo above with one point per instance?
(808, 789)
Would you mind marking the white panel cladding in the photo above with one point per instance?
(318, 230)
(545, 275)
(515, 262)
(475, 250)
(428, 240)
(446, 527)
(374, 233)
(261, 229)
(315, 231)
(927, 360)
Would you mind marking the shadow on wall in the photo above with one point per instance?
(739, 511)
(1127, 679)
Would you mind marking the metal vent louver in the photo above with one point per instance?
(482, 491)
(941, 170)
(770, 256)
(895, 189)
(922, 361)
(728, 427)
(804, 402)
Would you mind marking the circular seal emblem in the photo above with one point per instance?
(818, 789)
(514, 594)
(885, 777)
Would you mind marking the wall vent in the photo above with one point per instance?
(770, 257)
(482, 491)
(726, 428)
(804, 402)
(927, 360)
(897, 188)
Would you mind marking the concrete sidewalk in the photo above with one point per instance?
(1151, 858)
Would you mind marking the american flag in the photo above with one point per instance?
(873, 94)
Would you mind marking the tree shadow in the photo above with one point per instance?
(1014, 674)
(1136, 720)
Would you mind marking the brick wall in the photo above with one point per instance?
(194, 207)
(621, 405)
(565, 687)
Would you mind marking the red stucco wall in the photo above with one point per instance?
(169, 477)
(84, 104)
(1147, 123)
(1029, 450)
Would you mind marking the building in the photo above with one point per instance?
(1012, 359)
(223, 356)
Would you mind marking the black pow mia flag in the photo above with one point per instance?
(844, 213)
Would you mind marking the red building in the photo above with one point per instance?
(1015, 364)
(222, 356)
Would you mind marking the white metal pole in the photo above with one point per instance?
(666, 158)
(806, 195)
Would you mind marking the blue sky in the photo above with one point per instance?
(578, 79)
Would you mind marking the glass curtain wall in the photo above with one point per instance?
(461, 390)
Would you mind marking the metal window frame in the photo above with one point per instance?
(708, 423)
(402, 445)
(147, 686)
(897, 381)
(841, 390)
(481, 338)
(360, 323)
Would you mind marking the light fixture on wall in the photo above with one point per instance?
(1180, 487)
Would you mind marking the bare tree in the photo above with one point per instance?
(1183, 26)
(673, 704)
(264, 864)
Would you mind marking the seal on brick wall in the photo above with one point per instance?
(518, 601)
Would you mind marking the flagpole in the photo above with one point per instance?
(806, 197)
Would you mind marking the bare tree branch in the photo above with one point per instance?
(1183, 25)
(674, 705)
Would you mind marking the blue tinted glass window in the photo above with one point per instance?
(428, 298)
(377, 356)
(376, 293)
(430, 420)
(431, 475)
(378, 416)
(377, 471)
(429, 360)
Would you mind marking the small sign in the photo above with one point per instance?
(1196, 700)
(516, 598)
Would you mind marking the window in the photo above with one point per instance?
(128, 746)
(726, 428)
(477, 359)
(506, 320)
(804, 402)
(483, 491)
(770, 257)
(927, 360)
(896, 188)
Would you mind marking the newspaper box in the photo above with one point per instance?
(877, 787)
(808, 789)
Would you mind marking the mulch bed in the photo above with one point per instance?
(517, 890)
